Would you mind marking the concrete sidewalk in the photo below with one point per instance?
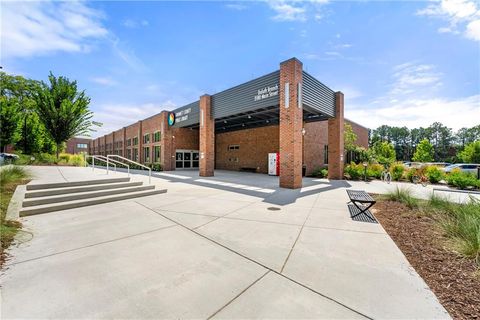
(230, 246)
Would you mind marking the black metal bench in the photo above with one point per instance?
(361, 200)
(248, 169)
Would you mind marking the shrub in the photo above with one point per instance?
(403, 195)
(320, 172)
(410, 173)
(156, 167)
(354, 171)
(375, 170)
(64, 157)
(76, 160)
(397, 170)
(461, 180)
(44, 158)
(434, 174)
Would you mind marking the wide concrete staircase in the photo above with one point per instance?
(48, 197)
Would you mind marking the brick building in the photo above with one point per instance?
(78, 145)
(287, 111)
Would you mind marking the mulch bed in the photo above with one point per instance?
(454, 280)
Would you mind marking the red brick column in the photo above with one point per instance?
(140, 142)
(167, 149)
(335, 140)
(124, 144)
(291, 124)
(207, 137)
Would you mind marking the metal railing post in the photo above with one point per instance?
(107, 165)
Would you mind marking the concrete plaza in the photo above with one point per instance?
(230, 246)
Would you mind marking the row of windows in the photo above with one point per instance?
(82, 146)
(156, 136)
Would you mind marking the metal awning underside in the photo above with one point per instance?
(259, 118)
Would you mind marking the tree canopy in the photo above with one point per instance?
(62, 109)
(424, 152)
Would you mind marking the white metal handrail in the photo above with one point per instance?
(117, 162)
(98, 157)
(134, 162)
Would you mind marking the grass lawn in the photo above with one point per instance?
(10, 178)
(441, 240)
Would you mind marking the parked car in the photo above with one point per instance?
(7, 158)
(409, 164)
(464, 167)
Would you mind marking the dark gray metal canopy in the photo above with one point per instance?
(256, 103)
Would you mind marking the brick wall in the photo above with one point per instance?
(130, 132)
(186, 138)
(254, 147)
(207, 138)
(72, 145)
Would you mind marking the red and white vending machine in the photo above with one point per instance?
(274, 164)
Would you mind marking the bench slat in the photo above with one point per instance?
(360, 196)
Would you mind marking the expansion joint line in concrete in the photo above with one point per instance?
(61, 173)
(225, 215)
(92, 245)
(298, 236)
(238, 295)
(259, 263)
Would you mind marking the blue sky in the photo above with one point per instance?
(398, 63)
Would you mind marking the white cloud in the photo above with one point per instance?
(296, 10)
(131, 23)
(236, 6)
(38, 28)
(287, 12)
(473, 30)
(105, 81)
(117, 116)
(414, 113)
(463, 16)
(410, 77)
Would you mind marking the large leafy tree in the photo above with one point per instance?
(471, 153)
(63, 110)
(22, 91)
(383, 152)
(424, 152)
(9, 117)
(350, 138)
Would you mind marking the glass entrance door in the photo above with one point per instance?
(186, 159)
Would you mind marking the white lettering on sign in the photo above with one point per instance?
(182, 115)
(266, 92)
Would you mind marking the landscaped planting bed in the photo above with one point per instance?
(449, 267)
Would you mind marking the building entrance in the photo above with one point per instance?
(186, 159)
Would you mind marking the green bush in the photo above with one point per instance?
(76, 160)
(434, 174)
(375, 170)
(156, 167)
(354, 171)
(461, 180)
(44, 158)
(320, 172)
(397, 170)
(410, 173)
(64, 157)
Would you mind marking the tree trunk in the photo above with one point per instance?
(58, 150)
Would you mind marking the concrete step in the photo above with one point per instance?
(83, 195)
(58, 191)
(86, 202)
(41, 186)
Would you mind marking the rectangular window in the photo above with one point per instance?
(120, 153)
(129, 154)
(135, 141)
(146, 155)
(325, 154)
(82, 146)
(135, 154)
(233, 147)
(156, 136)
(156, 154)
(129, 142)
(146, 138)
